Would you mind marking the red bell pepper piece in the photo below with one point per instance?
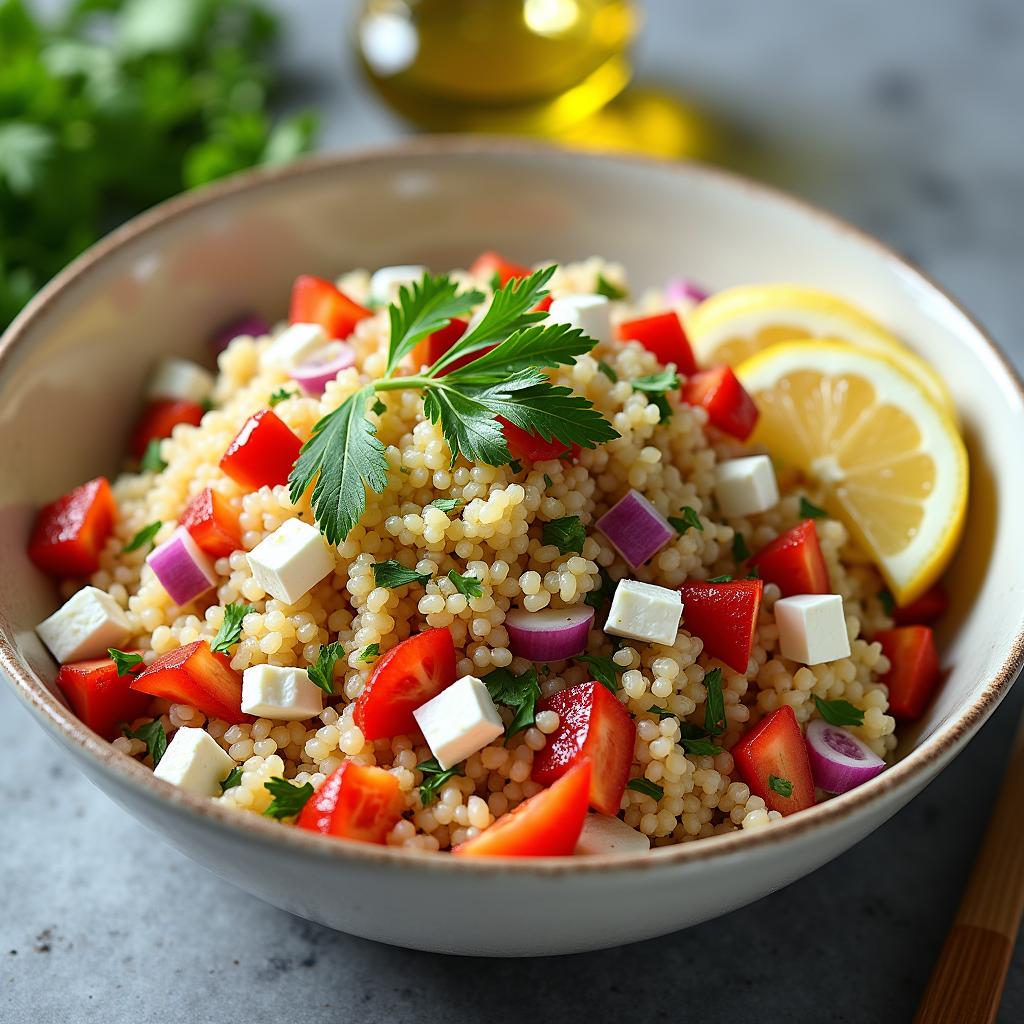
(663, 335)
(355, 801)
(262, 453)
(70, 532)
(530, 447)
(794, 562)
(545, 304)
(316, 301)
(213, 523)
(724, 616)
(728, 405)
(546, 825)
(407, 676)
(592, 726)
(494, 267)
(775, 749)
(931, 605)
(100, 697)
(195, 675)
(433, 346)
(160, 419)
(915, 668)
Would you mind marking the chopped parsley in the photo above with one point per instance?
(547, 480)
(609, 289)
(808, 510)
(393, 574)
(658, 383)
(645, 786)
(434, 777)
(753, 574)
(234, 779)
(446, 504)
(367, 654)
(520, 693)
(724, 578)
(886, 600)
(686, 519)
(602, 593)
(516, 466)
(468, 586)
(604, 670)
(566, 534)
(660, 712)
(604, 368)
(281, 395)
(322, 673)
(288, 799)
(151, 461)
(230, 631)
(700, 746)
(153, 735)
(144, 536)
(714, 704)
(379, 408)
(781, 786)
(125, 661)
(740, 551)
(839, 712)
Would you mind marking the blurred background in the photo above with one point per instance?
(902, 117)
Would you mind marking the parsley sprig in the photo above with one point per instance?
(520, 693)
(153, 735)
(434, 777)
(287, 798)
(230, 631)
(322, 673)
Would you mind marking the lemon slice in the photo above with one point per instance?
(733, 325)
(890, 461)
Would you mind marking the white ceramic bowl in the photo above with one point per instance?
(73, 362)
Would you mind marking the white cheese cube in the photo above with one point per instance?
(591, 313)
(180, 379)
(746, 486)
(384, 283)
(293, 346)
(643, 611)
(85, 626)
(291, 561)
(605, 834)
(195, 761)
(812, 628)
(284, 694)
(459, 721)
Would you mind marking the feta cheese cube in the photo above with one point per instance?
(384, 283)
(643, 611)
(195, 761)
(459, 721)
(291, 561)
(180, 379)
(812, 628)
(85, 626)
(293, 346)
(604, 834)
(284, 694)
(591, 313)
(746, 486)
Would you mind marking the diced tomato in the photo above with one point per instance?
(195, 675)
(213, 523)
(262, 453)
(915, 668)
(776, 747)
(594, 726)
(433, 346)
(100, 697)
(490, 265)
(931, 605)
(724, 616)
(70, 532)
(728, 405)
(355, 801)
(316, 301)
(794, 562)
(545, 304)
(546, 825)
(406, 677)
(663, 335)
(530, 447)
(160, 418)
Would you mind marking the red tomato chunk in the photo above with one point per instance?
(316, 301)
(794, 562)
(70, 532)
(262, 453)
(592, 725)
(915, 668)
(724, 616)
(771, 757)
(532, 447)
(100, 697)
(728, 405)
(213, 523)
(160, 419)
(931, 605)
(433, 346)
(195, 675)
(663, 335)
(354, 802)
(491, 265)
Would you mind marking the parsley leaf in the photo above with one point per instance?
(547, 480)
(604, 670)
(434, 778)
(230, 631)
(124, 661)
(658, 383)
(886, 600)
(609, 289)
(566, 534)
(234, 779)
(144, 536)
(379, 408)
(724, 578)
(516, 466)
(539, 346)
(368, 653)
(603, 593)
(151, 461)
(740, 551)
(393, 574)
(281, 395)
(781, 786)
(808, 510)
(607, 371)
(839, 712)
(520, 693)
(288, 799)
(714, 704)
(688, 518)
(468, 586)
(153, 735)
(446, 504)
(322, 673)
(700, 746)
(660, 712)
(645, 786)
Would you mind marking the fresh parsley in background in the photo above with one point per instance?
(117, 105)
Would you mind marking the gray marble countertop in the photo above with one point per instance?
(904, 118)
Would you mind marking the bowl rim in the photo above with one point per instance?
(918, 766)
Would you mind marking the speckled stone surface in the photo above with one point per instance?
(904, 118)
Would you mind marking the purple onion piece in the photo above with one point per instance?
(184, 570)
(552, 634)
(839, 760)
(636, 528)
(680, 289)
(314, 375)
(252, 324)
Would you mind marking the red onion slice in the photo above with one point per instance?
(637, 530)
(184, 570)
(252, 324)
(839, 760)
(682, 290)
(314, 375)
(552, 634)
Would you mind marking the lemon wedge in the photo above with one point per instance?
(889, 460)
(734, 324)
